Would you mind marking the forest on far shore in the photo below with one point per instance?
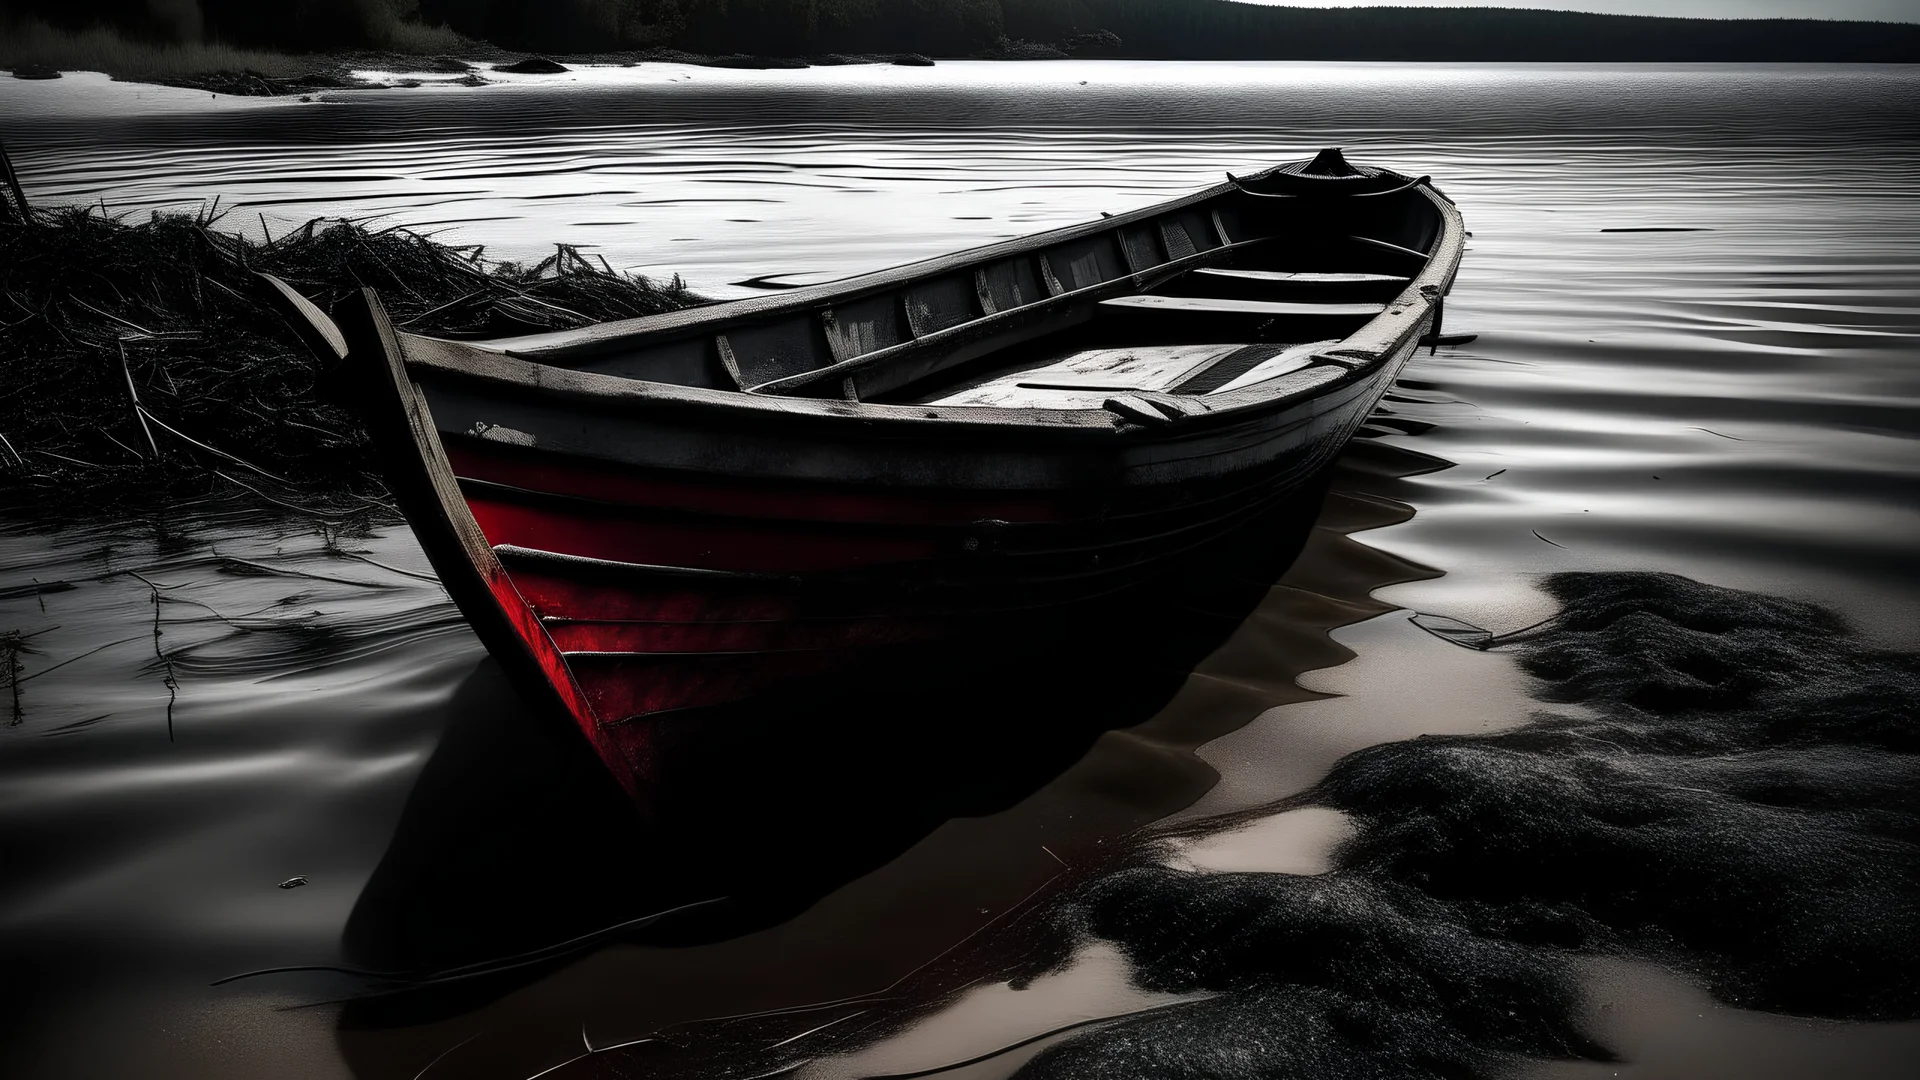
(1147, 29)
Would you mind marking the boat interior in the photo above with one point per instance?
(1224, 291)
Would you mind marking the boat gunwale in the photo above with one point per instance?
(593, 340)
(1408, 315)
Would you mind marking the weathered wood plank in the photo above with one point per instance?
(1293, 277)
(1083, 380)
(862, 326)
(1283, 362)
(1084, 263)
(940, 304)
(1003, 325)
(1141, 245)
(1209, 305)
(316, 331)
(16, 209)
(1382, 245)
(694, 361)
(767, 351)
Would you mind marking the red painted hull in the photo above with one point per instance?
(663, 594)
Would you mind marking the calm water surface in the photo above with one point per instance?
(1736, 402)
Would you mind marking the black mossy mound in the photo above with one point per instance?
(1016, 49)
(145, 356)
(535, 65)
(256, 84)
(851, 59)
(35, 71)
(755, 62)
(1725, 669)
(1336, 975)
(1737, 799)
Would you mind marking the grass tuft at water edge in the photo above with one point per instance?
(142, 355)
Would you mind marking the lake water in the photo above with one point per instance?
(223, 700)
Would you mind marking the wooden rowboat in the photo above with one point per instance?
(686, 509)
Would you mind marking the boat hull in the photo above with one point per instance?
(629, 548)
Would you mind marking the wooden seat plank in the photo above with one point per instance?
(1388, 246)
(1291, 277)
(1083, 380)
(1209, 305)
(1251, 365)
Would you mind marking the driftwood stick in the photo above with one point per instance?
(18, 208)
(75, 659)
(64, 457)
(133, 395)
(176, 433)
(384, 566)
(445, 306)
(232, 561)
(131, 452)
(136, 327)
(172, 684)
(10, 646)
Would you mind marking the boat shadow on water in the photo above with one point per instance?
(514, 839)
(939, 798)
(832, 846)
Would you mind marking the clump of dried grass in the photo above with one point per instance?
(143, 354)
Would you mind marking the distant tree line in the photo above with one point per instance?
(1223, 30)
(1160, 29)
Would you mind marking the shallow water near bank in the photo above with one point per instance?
(1736, 404)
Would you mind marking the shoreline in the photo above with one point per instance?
(277, 54)
(337, 70)
(308, 73)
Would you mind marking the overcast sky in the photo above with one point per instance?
(1882, 10)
